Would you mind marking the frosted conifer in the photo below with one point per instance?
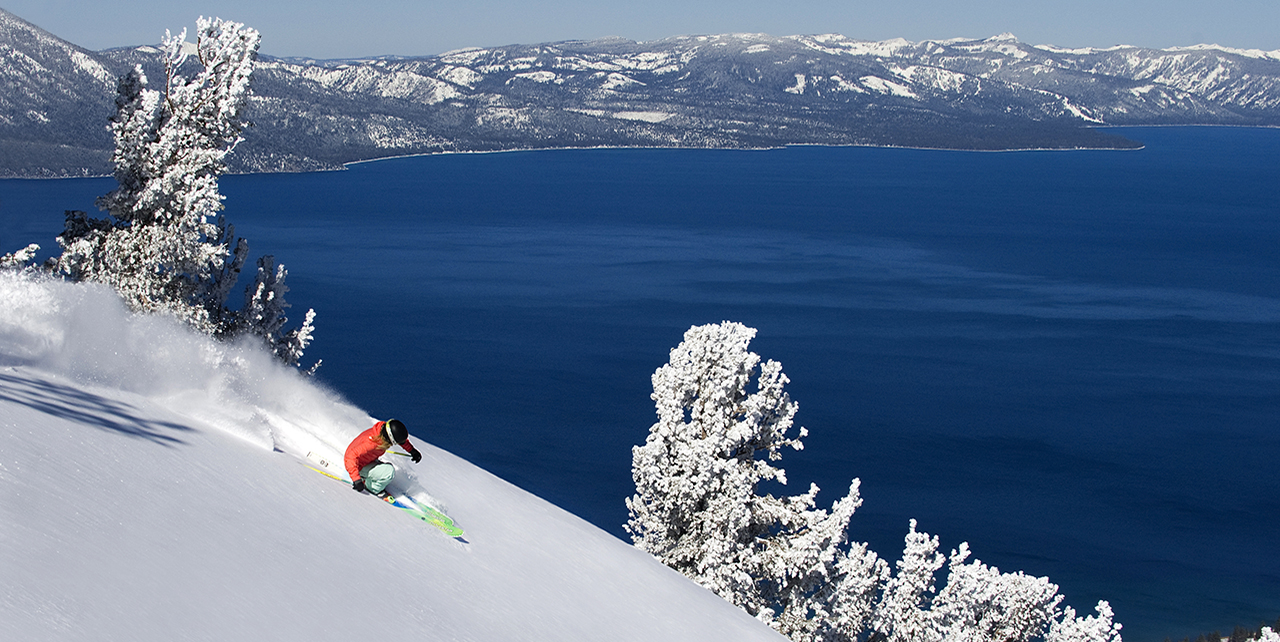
(161, 248)
(783, 559)
(696, 506)
(902, 613)
(978, 603)
(263, 313)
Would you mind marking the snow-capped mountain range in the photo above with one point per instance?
(738, 90)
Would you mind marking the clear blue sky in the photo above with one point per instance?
(354, 28)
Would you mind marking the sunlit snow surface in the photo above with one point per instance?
(149, 490)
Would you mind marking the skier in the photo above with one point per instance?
(366, 470)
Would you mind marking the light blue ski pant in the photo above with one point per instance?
(377, 475)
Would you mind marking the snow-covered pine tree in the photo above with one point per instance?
(697, 509)
(784, 560)
(981, 603)
(902, 612)
(978, 603)
(160, 248)
(263, 314)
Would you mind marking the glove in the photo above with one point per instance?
(358, 485)
(416, 456)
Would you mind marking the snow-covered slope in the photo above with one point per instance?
(150, 490)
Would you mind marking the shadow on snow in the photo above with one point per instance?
(66, 402)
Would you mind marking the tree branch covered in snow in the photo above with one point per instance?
(783, 559)
(161, 248)
(19, 259)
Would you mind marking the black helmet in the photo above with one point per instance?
(393, 430)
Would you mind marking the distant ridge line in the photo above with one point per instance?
(730, 91)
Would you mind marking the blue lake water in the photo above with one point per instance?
(1070, 360)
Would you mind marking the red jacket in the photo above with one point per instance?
(366, 448)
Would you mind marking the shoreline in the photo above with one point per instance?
(346, 165)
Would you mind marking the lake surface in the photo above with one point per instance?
(1070, 360)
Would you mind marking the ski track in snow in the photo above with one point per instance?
(153, 489)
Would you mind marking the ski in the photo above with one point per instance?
(423, 512)
(405, 503)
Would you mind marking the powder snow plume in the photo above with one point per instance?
(84, 333)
